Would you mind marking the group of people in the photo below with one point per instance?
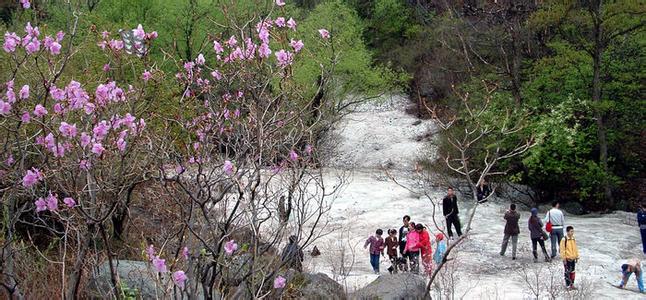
(413, 243)
(414, 240)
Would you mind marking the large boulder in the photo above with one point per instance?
(573, 208)
(320, 286)
(135, 277)
(394, 286)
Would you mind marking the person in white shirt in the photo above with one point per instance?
(556, 217)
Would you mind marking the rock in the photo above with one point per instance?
(417, 122)
(573, 208)
(315, 252)
(136, 276)
(394, 286)
(320, 286)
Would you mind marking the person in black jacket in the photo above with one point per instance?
(450, 211)
(403, 231)
(292, 255)
(483, 191)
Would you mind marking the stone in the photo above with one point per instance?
(394, 286)
(573, 208)
(136, 276)
(320, 286)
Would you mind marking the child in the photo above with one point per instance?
(376, 247)
(570, 255)
(632, 266)
(391, 249)
(441, 248)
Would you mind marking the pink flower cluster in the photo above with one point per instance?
(179, 277)
(51, 203)
(30, 42)
(32, 177)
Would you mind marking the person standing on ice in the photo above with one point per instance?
(641, 221)
(570, 256)
(511, 231)
(403, 232)
(537, 234)
(554, 222)
(627, 269)
(391, 249)
(412, 248)
(376, 243)
(450, 212)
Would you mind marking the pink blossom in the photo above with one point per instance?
(150, 251)
(97, 148)
(232, 42)
(11, 40)
(24, 92)
(85, 139)
(146, 76)
(280, 2)
(58, 108)
(9, 161)
(41, 205)
(297, 45)
(121, 145)
(264, 35)
(69, 201)
(151, 36)
(293, 156)
(57, 94)
(52, 45)
(40, 110)
(105, 35)
(179, 169)
(139, 32)
(217, 47)
(52, 202)
(279, 282)
(230, 247)
(228, 167)
(85, 165)
(25, 4)
(89, 108)
(11, 96)
(264, 51)
(291, 24)
(25, 117)
(5, 107)
(59, 36)
(185, 253)
(160, 265)
(101, 130)
(33, 45)
(216, 75)
(106, 68)
(31, 31)
(284, 58)
(280, 22)
(116, 44)
(324, 33)
(200, 59)
(179, 278)
(67, 129)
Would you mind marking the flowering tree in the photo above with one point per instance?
(73, 148)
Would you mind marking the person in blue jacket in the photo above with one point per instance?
(641, 220)
(441, 248)
(627, 269)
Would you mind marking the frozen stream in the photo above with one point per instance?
(384, 135)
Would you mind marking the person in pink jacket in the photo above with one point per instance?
(412, 248)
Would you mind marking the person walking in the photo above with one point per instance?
(412, 248)
(403, 232)
(450, 212)
(537, 234)
(554, 222)
(391, 249)
(426, 250)
(511, 231)
(627, 269)
(570, 256)
(641, 221)
(292, 255)
(376, 243)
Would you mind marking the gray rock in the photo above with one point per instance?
(573, 208)
(136, 276)
(320, 286)
(394, 286)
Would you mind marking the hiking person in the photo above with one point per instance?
(537, 234)
(483, 191)
(426, 250)
(412, 248)
(627, 269)
(391, 249)
(554, 222)
(641, 221)
(292, 255)
(403, 232)
(570, 256)
(376, 243)
(511, 231)
(450, 212)
(440, 248)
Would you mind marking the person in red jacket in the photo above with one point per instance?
(425, 248)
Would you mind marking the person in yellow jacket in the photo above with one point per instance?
(570, 255)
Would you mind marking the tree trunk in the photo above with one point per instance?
(599, 46)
